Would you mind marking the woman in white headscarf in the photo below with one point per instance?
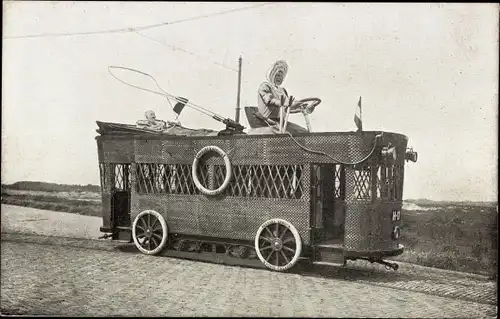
(271, 94)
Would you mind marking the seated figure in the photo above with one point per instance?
(271, 96)
(151, 122)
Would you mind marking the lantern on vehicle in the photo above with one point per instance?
(396, 233)
(389, 153)
(410, 155)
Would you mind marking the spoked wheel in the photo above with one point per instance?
(149, 232)
(278, 244)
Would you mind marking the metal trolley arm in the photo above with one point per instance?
(230, 124)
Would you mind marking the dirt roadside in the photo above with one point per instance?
(50, 223)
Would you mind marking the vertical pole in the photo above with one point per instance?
(374, 182)
(361, 113)
(237, 118)
(308, 122)
(282, 114)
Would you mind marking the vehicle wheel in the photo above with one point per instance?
(149, 232)
(278, 244)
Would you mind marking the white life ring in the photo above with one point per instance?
(227, 179)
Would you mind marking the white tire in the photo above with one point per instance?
(278, 239)
(146, 230)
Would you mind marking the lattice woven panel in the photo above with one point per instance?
(338, 174)
(362, 183)
(389, 181)
(121, 177)
(271, 181)
(167, 178)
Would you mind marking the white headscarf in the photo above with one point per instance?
(277, 66)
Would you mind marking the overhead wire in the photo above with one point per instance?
(142, 28)
(175, 48)
(135, 29)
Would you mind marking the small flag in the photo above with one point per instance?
(357, 116)
(180, 105)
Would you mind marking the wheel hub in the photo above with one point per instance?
(277, 244)
(149, 233)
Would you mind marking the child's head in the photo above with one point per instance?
(150, 115)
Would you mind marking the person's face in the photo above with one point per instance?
(151, 116)
(278, 78)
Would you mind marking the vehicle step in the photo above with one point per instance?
(124, 228)
(339, 247)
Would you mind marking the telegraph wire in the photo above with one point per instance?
(175, 48)
(134, 29)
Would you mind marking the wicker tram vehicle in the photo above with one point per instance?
(269, 199)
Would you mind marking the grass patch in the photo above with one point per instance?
(49, 199)
(54, 203)
(461, 237)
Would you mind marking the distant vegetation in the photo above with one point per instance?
(78, 199)
(51, 187)
(54, 203)
(459, 236)
(427, 202)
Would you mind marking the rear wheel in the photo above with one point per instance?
(149, 232)
(278, 244)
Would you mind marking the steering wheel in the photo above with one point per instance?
(305, 106)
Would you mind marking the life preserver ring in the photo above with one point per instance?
(227, 163)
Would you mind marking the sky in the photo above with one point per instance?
(429, 71)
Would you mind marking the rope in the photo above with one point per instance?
(334, 159)
(328, 155)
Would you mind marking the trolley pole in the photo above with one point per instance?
(237, 118)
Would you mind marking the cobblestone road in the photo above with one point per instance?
(60, 276)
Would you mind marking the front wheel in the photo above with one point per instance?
(278, 244)
(149, 232)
